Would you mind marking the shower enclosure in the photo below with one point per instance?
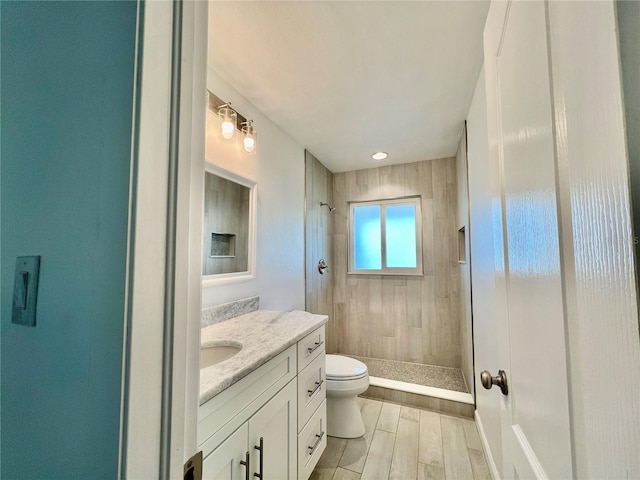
(408, 329)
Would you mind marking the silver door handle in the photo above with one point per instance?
(500, 380)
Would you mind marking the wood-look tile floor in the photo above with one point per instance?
(405, 443)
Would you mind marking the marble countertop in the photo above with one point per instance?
(263, 335)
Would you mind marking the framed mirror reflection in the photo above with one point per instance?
(228, 244)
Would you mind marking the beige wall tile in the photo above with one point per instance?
(398, 318)
(319, 240)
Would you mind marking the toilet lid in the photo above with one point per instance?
(341, 367)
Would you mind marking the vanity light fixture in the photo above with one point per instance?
(379, 155)
(248, 137)
(229, 117)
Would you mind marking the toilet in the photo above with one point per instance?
(346, 379)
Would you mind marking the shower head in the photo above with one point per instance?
(325, 204)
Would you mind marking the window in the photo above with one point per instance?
(386, 237)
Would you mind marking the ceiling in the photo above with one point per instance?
(347, 79)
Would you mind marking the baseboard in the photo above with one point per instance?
(495, 474)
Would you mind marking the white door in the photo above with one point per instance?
(535, 413)
(273, 428)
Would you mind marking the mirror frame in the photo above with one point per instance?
(250, 273)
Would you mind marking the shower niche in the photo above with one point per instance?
(223, 245)
(228, 253)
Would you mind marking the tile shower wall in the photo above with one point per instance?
(466, 340)
(408, 318)
(318, 244)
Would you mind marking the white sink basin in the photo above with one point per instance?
(218, 353)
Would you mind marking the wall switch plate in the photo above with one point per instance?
(25, 290)
(193, 467)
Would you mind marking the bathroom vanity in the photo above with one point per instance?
(262, 409)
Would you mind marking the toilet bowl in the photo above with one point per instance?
(346, 379)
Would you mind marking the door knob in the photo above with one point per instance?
(322, 266)
(500, 380)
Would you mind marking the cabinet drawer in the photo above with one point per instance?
(310, 347)
(312, 441)
(311, 389)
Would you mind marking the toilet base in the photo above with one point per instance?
(344, 419)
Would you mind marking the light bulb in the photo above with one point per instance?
(228, 117)
(248, 137)
(248, 143)
(227, 129)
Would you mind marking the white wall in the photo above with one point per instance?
(278, 168)
(483, 276)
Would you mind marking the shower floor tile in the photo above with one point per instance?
(421, 374)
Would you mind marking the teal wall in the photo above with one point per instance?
(67, 94)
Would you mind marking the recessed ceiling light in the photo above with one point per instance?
(379, 155)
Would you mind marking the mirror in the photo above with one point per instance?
(228, 227)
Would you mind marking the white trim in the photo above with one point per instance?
(143, 396)
(530, 455)
(188, 270)
(252, 185)
(145, 335)
(441, 393)
(488, 454)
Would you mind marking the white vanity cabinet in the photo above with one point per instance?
(271, 424)
(263, 447)
(261, 405)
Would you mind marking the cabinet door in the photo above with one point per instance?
(224, 462)
(276, 424)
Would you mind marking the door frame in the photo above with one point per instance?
(160, 378)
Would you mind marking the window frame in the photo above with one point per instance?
(383, 203)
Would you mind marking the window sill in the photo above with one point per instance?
(373, 273)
